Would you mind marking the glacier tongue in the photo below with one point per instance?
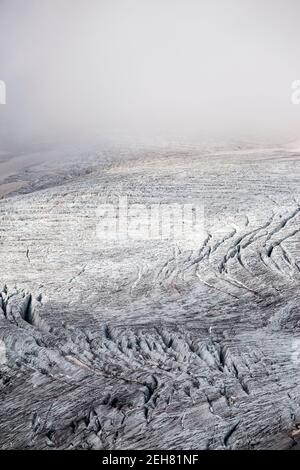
(117, 344)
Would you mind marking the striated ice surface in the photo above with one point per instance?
(139, 344)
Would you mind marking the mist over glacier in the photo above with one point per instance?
(81, 71)
(149, 225)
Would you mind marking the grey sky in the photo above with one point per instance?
(170, 67)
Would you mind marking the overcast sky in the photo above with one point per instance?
(156, 67)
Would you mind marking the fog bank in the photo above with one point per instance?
(77, 70)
